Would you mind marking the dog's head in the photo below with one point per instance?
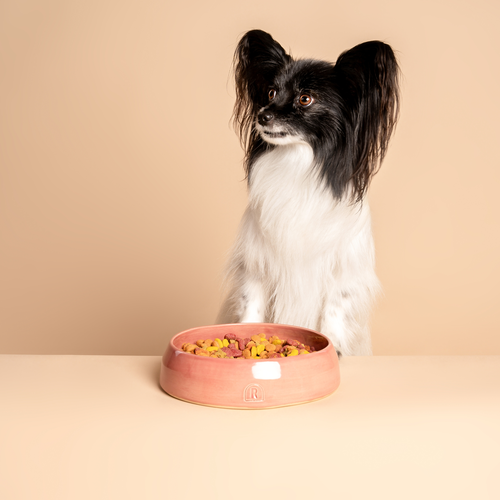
(345, 111)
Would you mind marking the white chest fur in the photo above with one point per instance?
(294, 212)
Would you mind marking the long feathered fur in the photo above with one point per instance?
(314, 134)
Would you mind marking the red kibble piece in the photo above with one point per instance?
(232, 351)
(230, 336)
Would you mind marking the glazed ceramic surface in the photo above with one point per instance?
(250, 383)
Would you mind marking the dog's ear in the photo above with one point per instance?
(257, 59)
(367, 80)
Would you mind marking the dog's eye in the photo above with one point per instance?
(272, 94)
(305, 100)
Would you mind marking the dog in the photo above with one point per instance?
(314, 134)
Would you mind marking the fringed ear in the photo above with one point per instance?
(257, 59)
(367, 78)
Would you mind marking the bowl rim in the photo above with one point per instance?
(178, 351)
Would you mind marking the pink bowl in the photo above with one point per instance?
(250, 383)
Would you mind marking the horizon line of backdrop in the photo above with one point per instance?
(122, 183)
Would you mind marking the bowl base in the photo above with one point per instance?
(251, 407)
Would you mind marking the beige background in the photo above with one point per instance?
(121, 185)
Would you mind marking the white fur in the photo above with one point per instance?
(302, 257)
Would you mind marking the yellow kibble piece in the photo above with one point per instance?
(212, 349)
(219, 341)
(254, 351)
(225, 343)
(294, 352)
(260, 349)
(304, 351)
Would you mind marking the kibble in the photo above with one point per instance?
(256, 347)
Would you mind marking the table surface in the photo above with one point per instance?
(100, 427)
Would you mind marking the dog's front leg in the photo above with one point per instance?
(252, 307)
(345, 321)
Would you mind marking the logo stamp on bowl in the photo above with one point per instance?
(253, 394)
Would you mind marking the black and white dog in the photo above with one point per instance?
(315, 133)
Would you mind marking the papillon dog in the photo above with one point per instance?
(314, 133)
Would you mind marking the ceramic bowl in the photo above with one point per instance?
(250, 383)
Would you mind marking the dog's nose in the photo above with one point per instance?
(265, 118)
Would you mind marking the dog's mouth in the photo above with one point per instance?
(278, 134)
(279, 137)
(274, 135)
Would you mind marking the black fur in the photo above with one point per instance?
(349, 123)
